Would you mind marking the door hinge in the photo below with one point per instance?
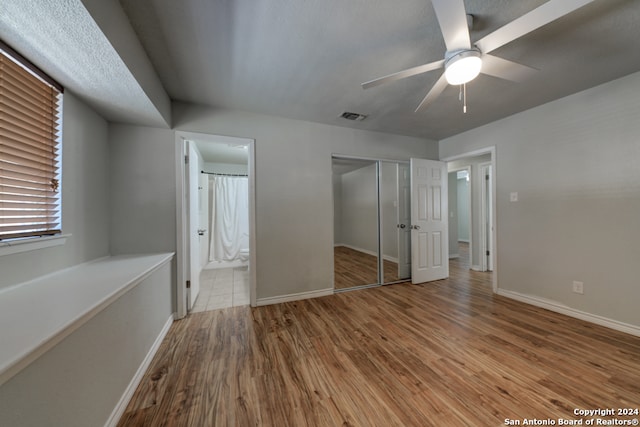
(488, 253)
(186, 160)
(486, 177)
(188, 284)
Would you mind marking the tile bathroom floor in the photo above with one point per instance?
(222, 288)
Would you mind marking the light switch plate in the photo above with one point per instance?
(514, 196)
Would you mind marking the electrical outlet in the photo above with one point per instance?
(578, 287)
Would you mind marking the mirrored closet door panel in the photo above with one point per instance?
(356, 238)
(395, 199)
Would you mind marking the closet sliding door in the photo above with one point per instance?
(356, 238)
(395, 221)
(371, 227)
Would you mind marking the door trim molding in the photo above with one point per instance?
(370, 159)
(484, 244)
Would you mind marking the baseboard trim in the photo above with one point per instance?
(454, 256)
(294, 297)
(368, 252)
(135, 381)
(476, 268)
(571, 312)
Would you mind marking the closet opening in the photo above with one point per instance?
(372, 205)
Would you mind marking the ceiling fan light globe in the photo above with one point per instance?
(463, 68)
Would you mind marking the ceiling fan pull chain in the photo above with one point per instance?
(464, 106)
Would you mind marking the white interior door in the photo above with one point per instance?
(193, 217)
(487, 220)
(429, 225)
(404, 222)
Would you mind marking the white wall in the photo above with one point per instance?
(143, 190)
(294, 205)
(85, 199)
(453, 214)
(575, 164)
(226, 168)
(464, 209)
(79, 381)
(359, 220)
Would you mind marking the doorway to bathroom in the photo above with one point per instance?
(219, 222)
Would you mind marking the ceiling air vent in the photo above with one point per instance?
(353, 116)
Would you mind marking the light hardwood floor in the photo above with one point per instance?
(447, 353)
(354, 268)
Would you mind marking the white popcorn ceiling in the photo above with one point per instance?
(306, 59)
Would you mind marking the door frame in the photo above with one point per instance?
(403, 169)
(485, 210)
(182, 233)
(494, 169)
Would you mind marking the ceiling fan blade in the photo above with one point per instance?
(504, 69)
(452, 18)
(435, 91)
(528, 22)
(404, 74)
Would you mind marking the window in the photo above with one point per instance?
(30, 149)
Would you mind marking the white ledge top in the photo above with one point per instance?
(36, 315)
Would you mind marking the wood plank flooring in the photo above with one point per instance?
(355, 268)
(447, 353)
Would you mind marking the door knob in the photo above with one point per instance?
(415, 227)
(402, 226)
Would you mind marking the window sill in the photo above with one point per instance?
(32, 244)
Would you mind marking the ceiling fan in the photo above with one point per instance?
(463, 62)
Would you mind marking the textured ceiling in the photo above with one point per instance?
(219, 148)
(306, 59)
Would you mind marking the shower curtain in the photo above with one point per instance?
(229, 218)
